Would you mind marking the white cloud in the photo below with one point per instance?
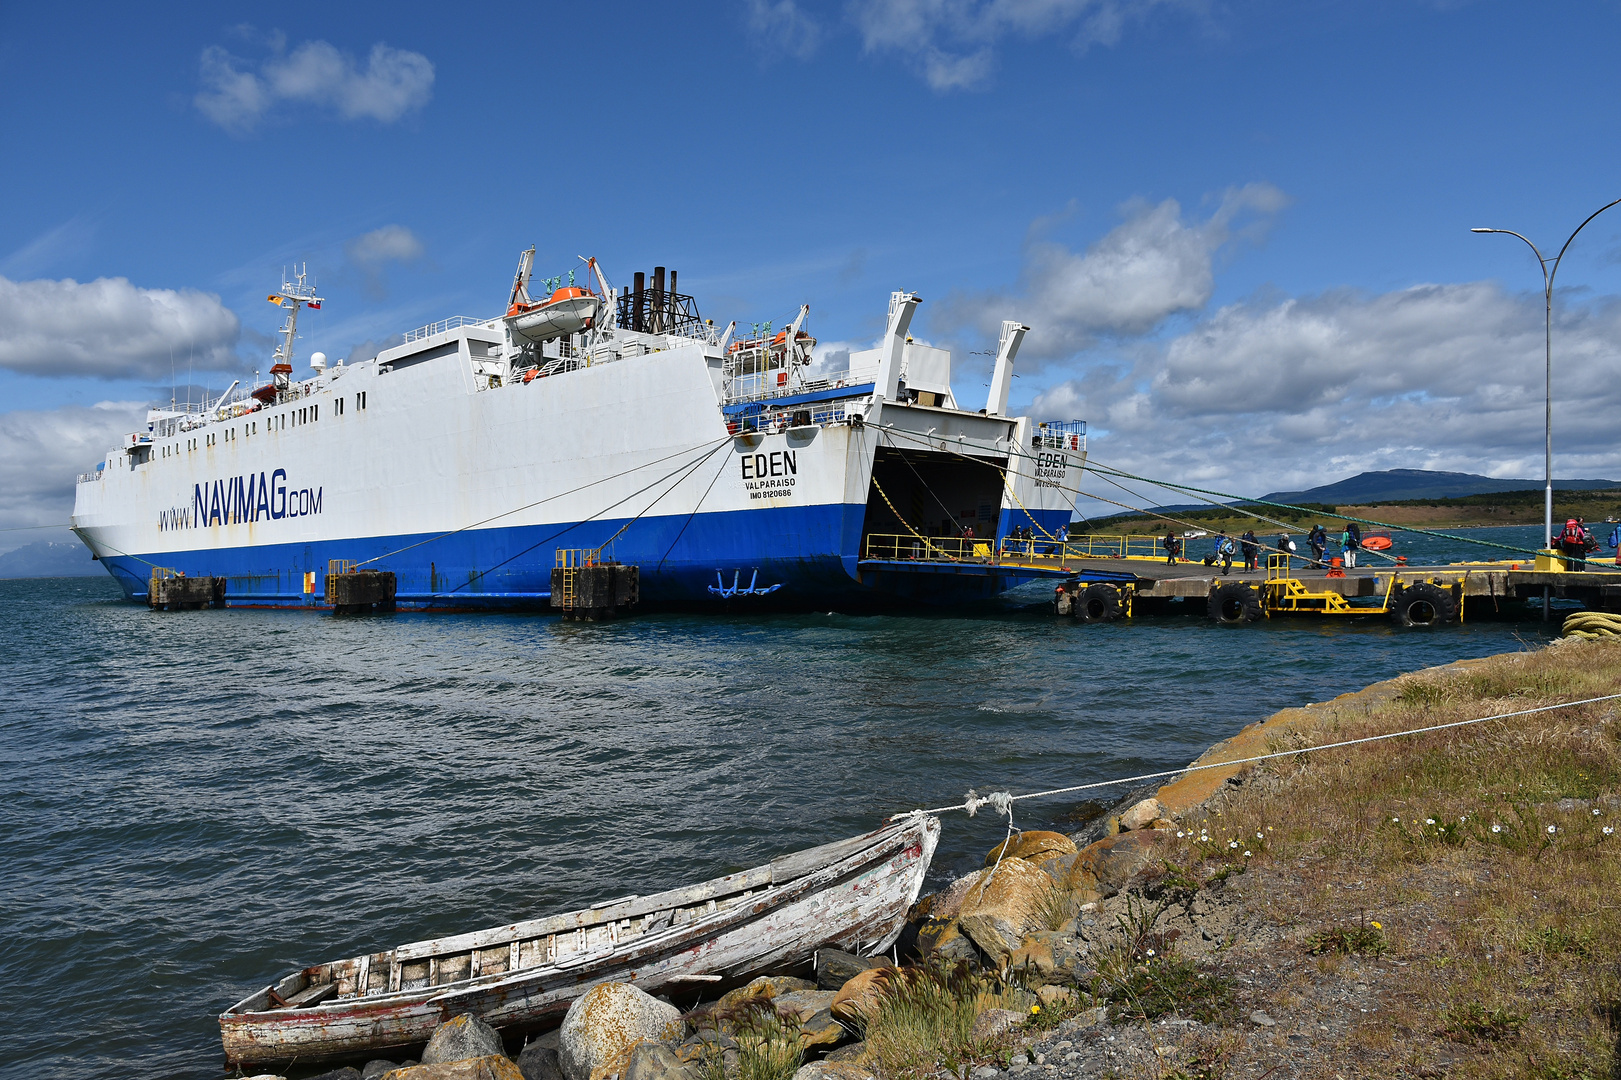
(372, 252)
(391, 243)
(1150, 267)
(109, 329)
(393, 83)
(784, 26)
(42, 452)
(950, 43)
(1278, 394)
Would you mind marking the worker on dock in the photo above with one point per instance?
(1225, 548)
(1285, 546)
(1318, 539)
(1172, 546)
(1576, 542)
(1252, 551)
(1350, 540)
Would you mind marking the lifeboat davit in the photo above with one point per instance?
(569, 310)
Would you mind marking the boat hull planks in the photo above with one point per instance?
(853, 895)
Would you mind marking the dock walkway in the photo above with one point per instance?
(1153, 579)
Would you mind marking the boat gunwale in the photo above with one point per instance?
(834, 854)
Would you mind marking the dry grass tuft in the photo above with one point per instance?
(926, 1017)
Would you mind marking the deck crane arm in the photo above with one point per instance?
(726, 338)
(520, 280)
(608, 297)
(793, 334)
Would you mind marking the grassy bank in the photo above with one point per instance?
(1445, 900)
(1471, 511)
(1435, 905)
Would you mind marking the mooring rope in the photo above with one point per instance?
(1002, 801)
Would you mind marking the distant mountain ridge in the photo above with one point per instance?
(49, 558)
(1394, 485)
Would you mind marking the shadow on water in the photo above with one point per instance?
(201, 800)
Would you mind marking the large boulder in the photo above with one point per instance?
(833, 1070)
(767, 987)
(655, 1061)
(1113, 860)
(461, 1037)
(812, 1011)
(494, 1067)
(348, 1072)
(538, 1062)
(1050, 957)
(993, 1022)
(1035, 846)
(857, 1000)
(834, 967)
(1142, 815)
(801, 1005)
(945, 941)
(605, 1023)
(998, 917)
(946, 903)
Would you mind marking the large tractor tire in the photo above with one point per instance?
(1235, 603)
(1099, 603)
(1423, 605)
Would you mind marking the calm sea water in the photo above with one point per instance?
(198, 801)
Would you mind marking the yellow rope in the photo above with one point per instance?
(1592, 624)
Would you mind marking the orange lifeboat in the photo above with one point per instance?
(569, 310)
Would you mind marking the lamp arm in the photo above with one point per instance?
(1579, 228)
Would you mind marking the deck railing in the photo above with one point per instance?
(445, 326)
(1012, 550)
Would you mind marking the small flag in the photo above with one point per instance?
(274, 300)
(314, 305)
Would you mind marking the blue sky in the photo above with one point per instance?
(1239, 231)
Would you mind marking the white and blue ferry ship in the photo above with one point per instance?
(731, 470)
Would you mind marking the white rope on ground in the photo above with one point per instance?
(1003, 801)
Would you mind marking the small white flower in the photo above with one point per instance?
(1429, 821)
(1179, 834)
(1608, 830)
(1150, 952)
(1232, 843)
(1394, 820)
(1497, 828)
(1258, 836)
(1550, 829)
(1462, 820)
(1246, 854)
(1595, 811)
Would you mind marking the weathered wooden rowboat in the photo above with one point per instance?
(852, 895)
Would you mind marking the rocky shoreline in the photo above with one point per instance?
(1139, 945)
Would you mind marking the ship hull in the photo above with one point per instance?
(467, 487)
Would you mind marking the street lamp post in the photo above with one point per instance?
(1549, 269)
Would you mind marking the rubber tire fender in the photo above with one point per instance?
(1099, 603)
(1423, 605)
(1234, 603)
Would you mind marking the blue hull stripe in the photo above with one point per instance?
(811, 551)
